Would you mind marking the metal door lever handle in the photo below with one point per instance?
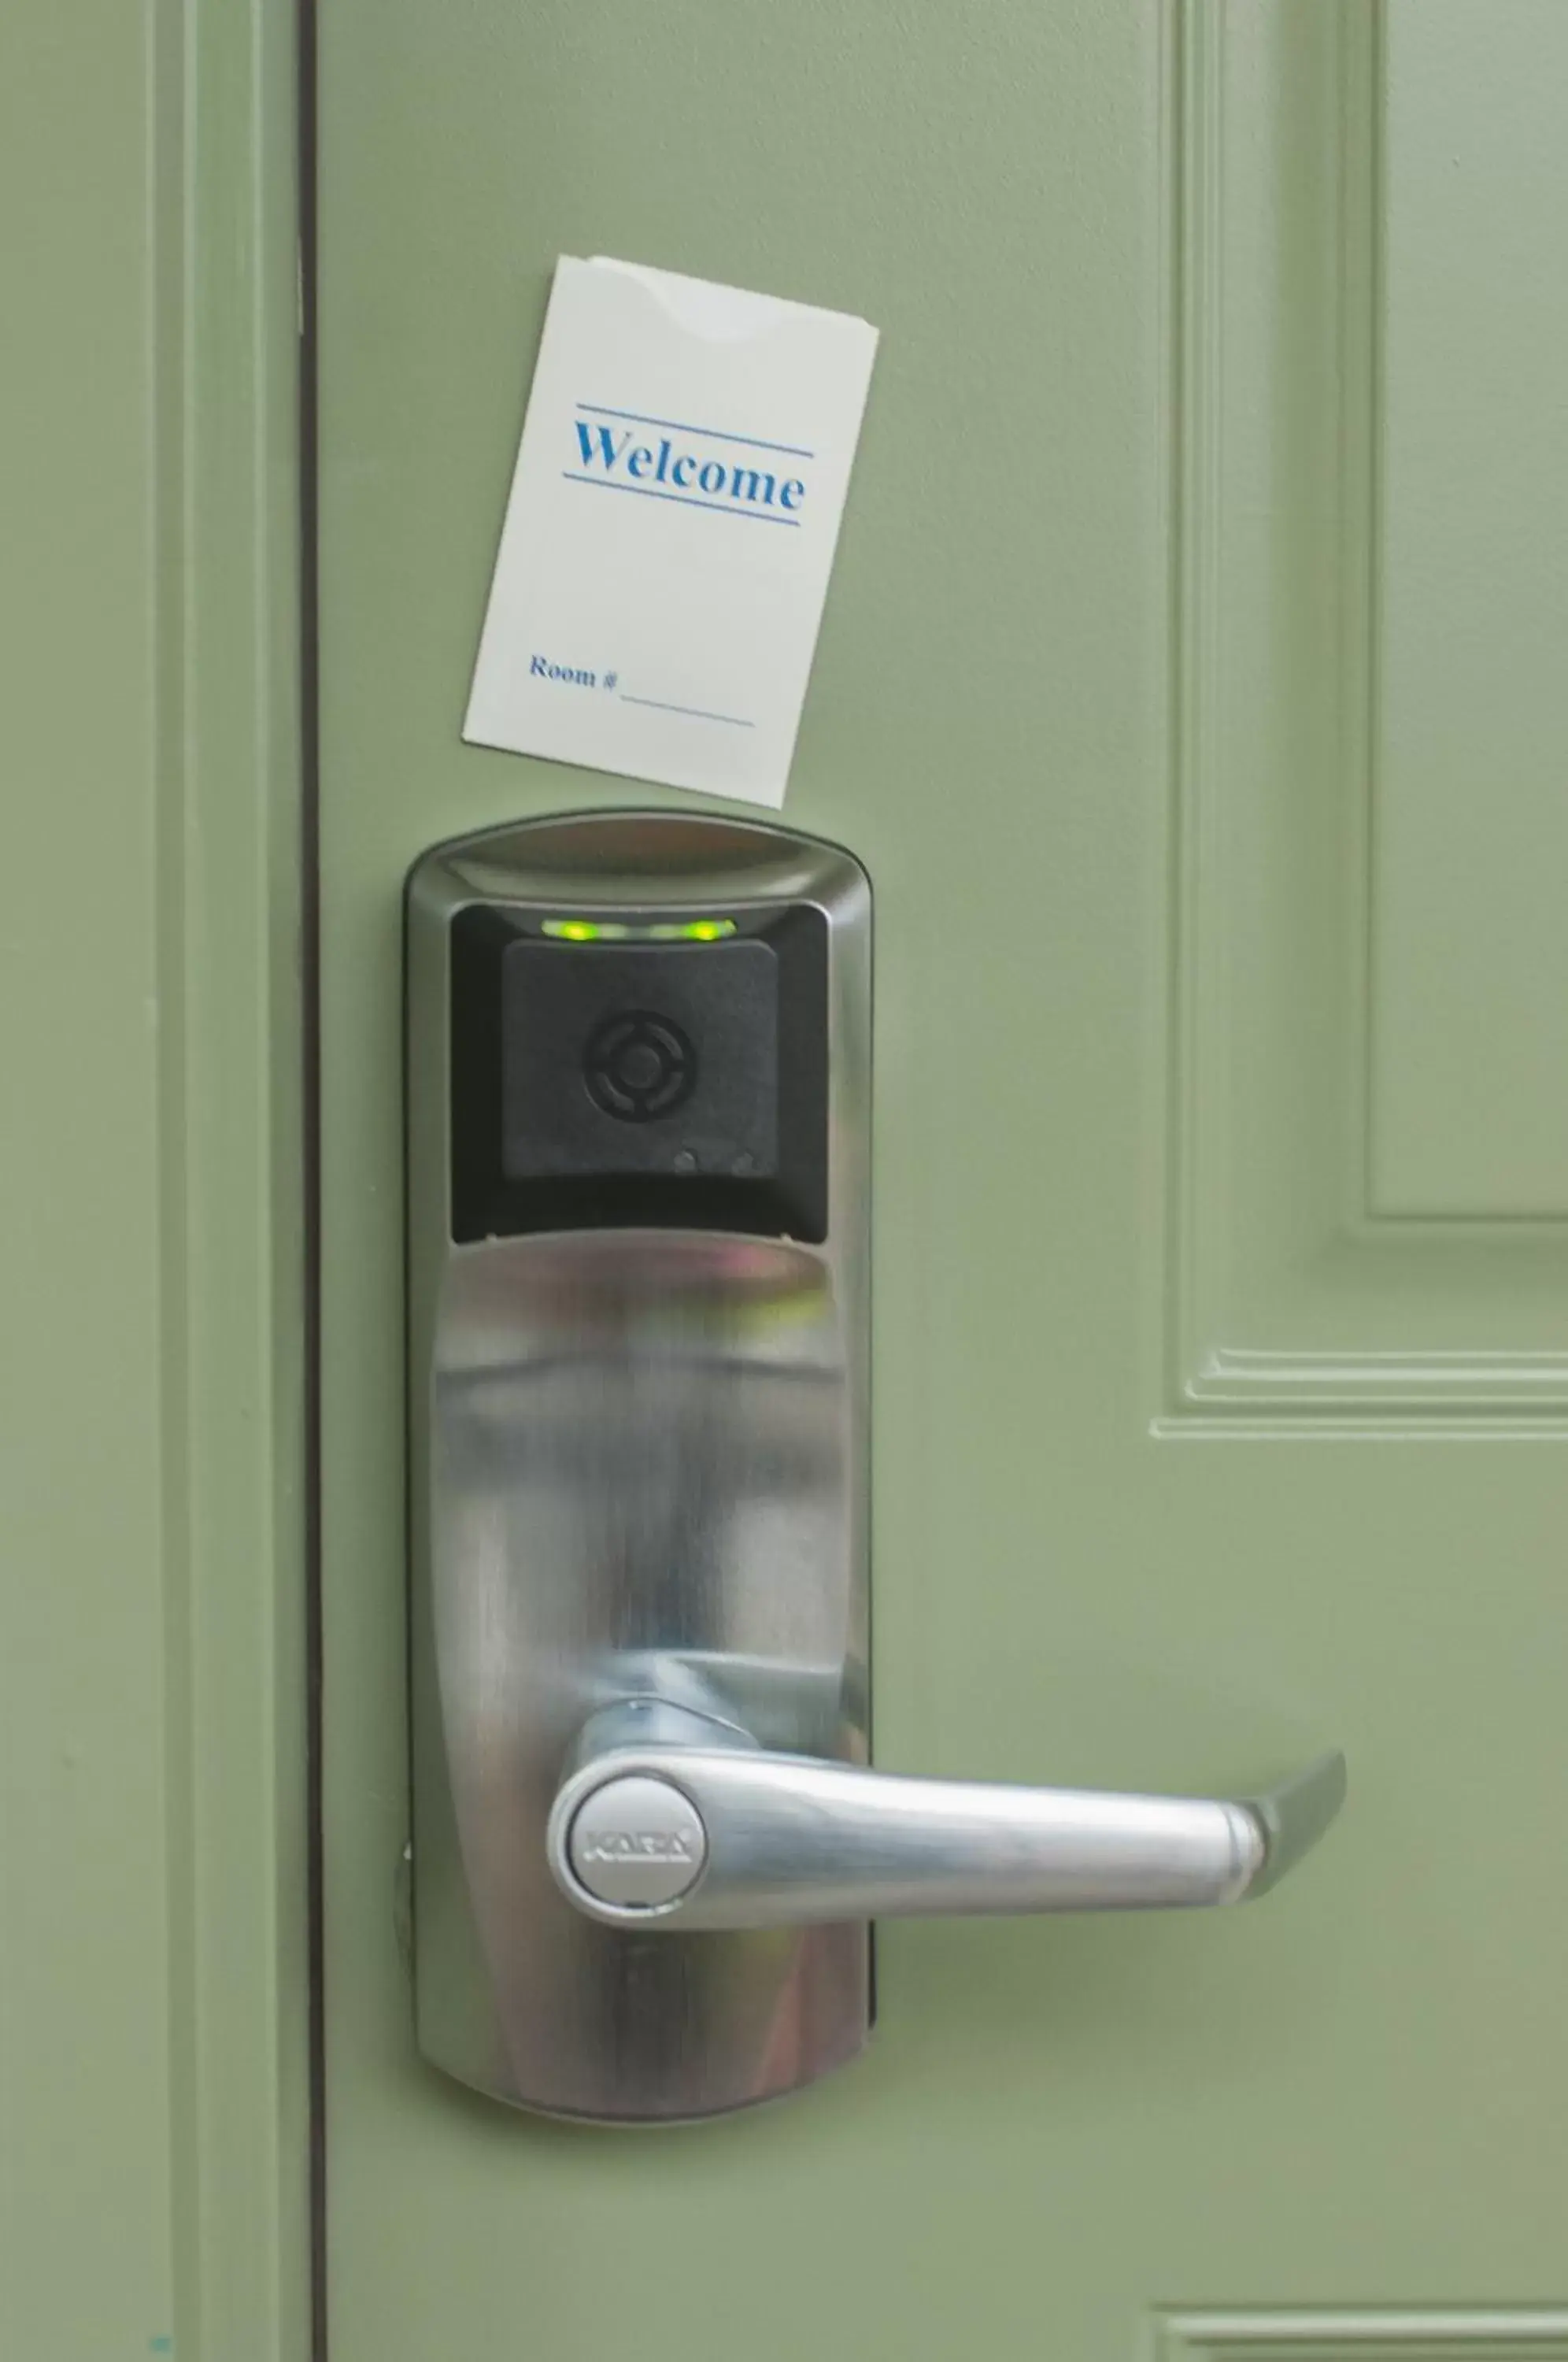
(729, 1834)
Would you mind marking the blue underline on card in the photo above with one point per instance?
(714, 433)
(645, 493)
(696, 711)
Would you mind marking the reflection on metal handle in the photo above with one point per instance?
(730, 1836)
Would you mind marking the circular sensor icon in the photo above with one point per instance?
(638, 1066)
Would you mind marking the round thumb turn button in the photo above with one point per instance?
(637, 1842)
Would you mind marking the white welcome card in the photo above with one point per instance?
(670, 529)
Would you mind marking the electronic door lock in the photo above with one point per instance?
(647, 1848)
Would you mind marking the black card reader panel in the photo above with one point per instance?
(621, 1083)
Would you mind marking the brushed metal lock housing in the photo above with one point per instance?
(638, 1081)
(647, 1849)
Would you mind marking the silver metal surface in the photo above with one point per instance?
(637, 1473)
(636, 1843)
(789, 1840)
(647, 1848)
(1294, 1816)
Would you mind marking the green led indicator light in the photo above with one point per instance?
(607, 931)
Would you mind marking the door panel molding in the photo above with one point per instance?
(1360, 1227)
(231, 941)
(1368, 2335)
(153, 1950)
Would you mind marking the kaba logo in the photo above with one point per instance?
(637, 1845)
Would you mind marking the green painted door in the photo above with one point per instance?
(1191, 687)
